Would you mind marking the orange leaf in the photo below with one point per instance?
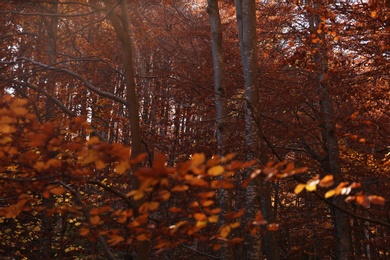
(197, 159)
(94, 220)
(273, 227)
(142, 237)
(200, 216)
(222, 184)
(327, 181)
(217, 247)
(83, 231)
(259, 220)
(180, 188)
(115, 239)
(100, 165)
(235, 225)
(144, 208)
(225, 231)
(58, 191)
(153, 205)
(238, 214)
(206, 195)
(207, 203)
(216, 170)
(377, 200)
(213, 219)
(164, 194)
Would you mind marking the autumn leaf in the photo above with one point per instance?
(100, 165)
(197, 159)
(299, 188)
(153, 205)
(142, 237)
(217, 247)
(58, 191)
(84, 231)
(273, 227)
(122, 167)
(329, 193)
(327, 181)
(216, 170)
(115, 239)
(235, 224)
(213, 219)
(94, 220)
(180, 188)
(200, 216)
(225, 231)
(377, 200)
(201, 224)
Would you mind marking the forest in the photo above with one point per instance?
(194, 129)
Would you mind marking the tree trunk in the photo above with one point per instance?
(342, 227)
(246, 22)
(220, 103)
(258, 192)
(51, 54)
(121, 23)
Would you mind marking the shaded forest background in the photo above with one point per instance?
(171, 129)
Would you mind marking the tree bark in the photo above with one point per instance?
(223, 128)
(246, 22)
(121, 23)
(332, 164)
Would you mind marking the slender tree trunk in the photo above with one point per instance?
(342, 227)
(220, 102)
(51, 54)
(258, 192)
(121, 23)
(246, 22)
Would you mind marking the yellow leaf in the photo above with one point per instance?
(225, 231)
(216, 170)
(329, 193)
(197, 159)
(373, 14)
(213, 219)
(299, 188)
(311, 187)
(201, 224)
